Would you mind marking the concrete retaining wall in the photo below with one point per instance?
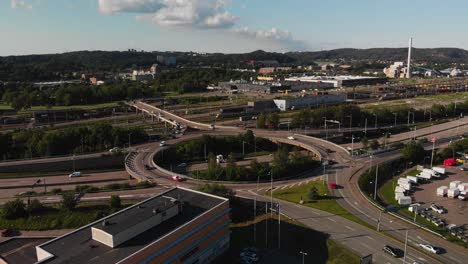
(87, 163)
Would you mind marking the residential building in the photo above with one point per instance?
(177, 226)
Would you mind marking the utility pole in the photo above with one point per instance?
(395, 114)
(406, 246)
(352, 145)
(205, 151)
(243, 148)
(365, 127)
(378, 221)
(255, 211)
(279, 225)
(375, 121)
(433, 139)
(271, 193)
(375, 187)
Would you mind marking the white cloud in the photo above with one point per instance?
(282, 37)
(188, 13)
(16, 4)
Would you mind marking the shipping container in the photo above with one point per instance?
(453, 192)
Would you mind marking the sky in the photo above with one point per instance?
(230, 26)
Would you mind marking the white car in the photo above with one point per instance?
(74, 174)
(430, 248)
(437, 208)
(113, 150)
(162, 143)
(291, 138)
(182, 165)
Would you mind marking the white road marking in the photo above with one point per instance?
(371, 238)
(452, 258)
(350, 228)
(331, 219)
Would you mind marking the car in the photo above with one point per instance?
(177, 178)
(147, 167)
(430, 248)
(438, 209)
(162, 143)
(74, 174)
(6, 232)
(182, 165)
(249, 255)
(114, 150)
(463, 169)
(392, 251)
(291, 138)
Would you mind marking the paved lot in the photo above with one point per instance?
(457, 211)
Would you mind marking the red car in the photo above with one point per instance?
(5, 232)
(177, 178)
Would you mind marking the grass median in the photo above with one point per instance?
(325, 202)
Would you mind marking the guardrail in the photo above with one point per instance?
(129, 167)
(326, 142)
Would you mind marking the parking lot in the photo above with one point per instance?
(456, 210)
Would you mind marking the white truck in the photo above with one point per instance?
(412, 179)
(405, 200)
(399, 189)
(453, 192)
(403, 180)
(399, 195)
(406, 186)
(439, 170)
(463, 187)
(433, 173)
(424, 176)
(442, 191)
(463, 196)
(454, 184)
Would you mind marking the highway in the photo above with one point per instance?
(359, 238)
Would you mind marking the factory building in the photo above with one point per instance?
(309, 101)
(177, 226)
(270, 87)
(338, 81)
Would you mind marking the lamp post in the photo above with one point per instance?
(303, 255)
(395, 114)
(375, 121)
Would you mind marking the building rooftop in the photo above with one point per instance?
(80, 247)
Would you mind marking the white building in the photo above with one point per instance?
(309, 101)
(396, 70)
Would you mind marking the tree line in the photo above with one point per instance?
(352, 115)
(40, 142)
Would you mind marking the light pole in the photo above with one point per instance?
(406, 246)
(375, 121)
(395, 114)
(352, 145)
(365, 127)
(303, 256)
(129, 135)
(375, 186)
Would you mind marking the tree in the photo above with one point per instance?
(261, 120)
(115, 202)
(313, 194)
(69, 201)
(413, 152)
(14, 209)
(374, 144)
(35, 207)
(273, 120)
(365, 143)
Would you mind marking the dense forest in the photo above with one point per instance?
(55, 66)
(40, 142)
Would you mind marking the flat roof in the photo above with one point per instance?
(79, 247)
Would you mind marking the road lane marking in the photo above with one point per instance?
(352, 229)
(371, 238)
(454, 259)
(331, 219)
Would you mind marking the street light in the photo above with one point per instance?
(395, 114)
(303, 255)
(375, 120)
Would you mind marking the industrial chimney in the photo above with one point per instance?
(408, 69)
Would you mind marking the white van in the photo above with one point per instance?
(74, 174)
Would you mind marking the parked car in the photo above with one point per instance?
(430, 248)
(392, 251)
(6, 232)
(291, 138)
(177, 178)
(438, 209)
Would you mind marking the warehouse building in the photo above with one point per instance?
(177, 226)
(340, 81)
(309, 101)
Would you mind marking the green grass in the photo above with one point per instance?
(63, 107)
(5, 107)
(11, 175)
(387, 192)
(55, 218)
(327, 204)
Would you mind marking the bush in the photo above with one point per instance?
(115, 202)
(217, 189)
(143, 184)
(86, 188)
(313, 194)
(68, 201)
(14, 209)
(35, 207)
(57, 191)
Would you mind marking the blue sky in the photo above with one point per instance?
(54, 26)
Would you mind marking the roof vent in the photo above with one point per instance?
(105, 223)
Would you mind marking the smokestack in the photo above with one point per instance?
(408, 69)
